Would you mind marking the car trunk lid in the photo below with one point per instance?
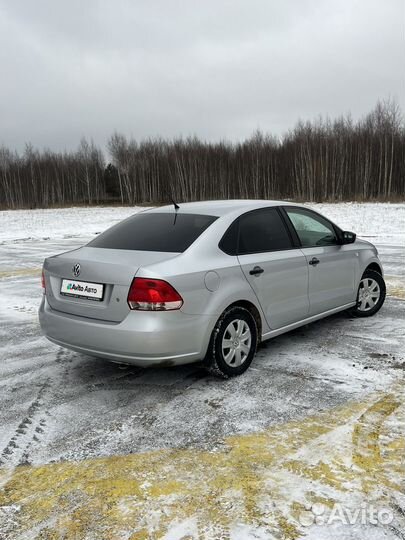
(114, 269)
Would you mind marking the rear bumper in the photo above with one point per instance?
(142, 338)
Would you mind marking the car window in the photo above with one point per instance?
(261, 231)
(312, 230)
(229, 242)
(166, 232)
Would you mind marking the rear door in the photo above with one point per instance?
(275, 268)
(331, 267)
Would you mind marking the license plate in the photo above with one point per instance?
(82, 289)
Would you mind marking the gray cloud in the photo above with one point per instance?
(214, 69)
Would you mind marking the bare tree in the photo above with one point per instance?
(315, 161)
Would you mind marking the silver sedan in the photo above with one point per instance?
(207, 282)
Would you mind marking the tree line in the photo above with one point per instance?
(315, 161)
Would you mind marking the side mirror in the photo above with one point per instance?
(348, 237)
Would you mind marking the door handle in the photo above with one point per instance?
(256, 271)
(314, 261)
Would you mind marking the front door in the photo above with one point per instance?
(331, 266)
(276, 270)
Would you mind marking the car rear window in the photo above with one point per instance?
(155, 232)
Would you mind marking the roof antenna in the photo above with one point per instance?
(176, 208)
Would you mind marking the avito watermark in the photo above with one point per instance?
(365, 514)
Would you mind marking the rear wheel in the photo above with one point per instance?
(233, 343)
(370, 295)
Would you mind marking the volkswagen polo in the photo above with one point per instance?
(206, 281)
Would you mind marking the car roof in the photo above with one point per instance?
(220, 208)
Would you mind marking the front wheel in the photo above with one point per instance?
(370, 295)
(233, 343)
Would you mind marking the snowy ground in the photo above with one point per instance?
(385, 222)
(318, 419)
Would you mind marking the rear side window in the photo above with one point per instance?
(155, 232)
(261, 231)
(229, 242)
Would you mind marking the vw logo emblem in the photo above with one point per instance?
(76, 270)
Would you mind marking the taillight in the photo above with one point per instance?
(153, 295)
(43, 282)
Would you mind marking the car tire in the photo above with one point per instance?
(370, 294)
(233, 343)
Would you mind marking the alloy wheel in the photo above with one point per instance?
(369, 294)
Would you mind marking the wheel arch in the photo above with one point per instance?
(253, 310)
(374, 266)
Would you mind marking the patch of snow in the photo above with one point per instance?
(348, 532)
(185, 529)
(381, 223)
(47, 224)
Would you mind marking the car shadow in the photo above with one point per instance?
(99, 373)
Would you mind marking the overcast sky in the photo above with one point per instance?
(217, 69)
